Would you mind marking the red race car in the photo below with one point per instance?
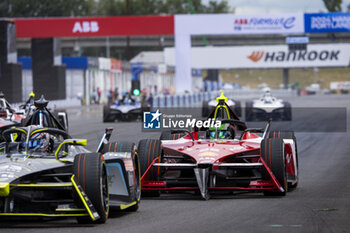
(231, 157)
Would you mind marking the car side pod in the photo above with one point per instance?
(202, 176)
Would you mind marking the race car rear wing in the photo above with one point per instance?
(192, 165)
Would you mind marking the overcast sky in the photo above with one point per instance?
(279, 6)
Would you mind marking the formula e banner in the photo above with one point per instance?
(253, 24)
(224, 24)
(327, 22)
(236, 57)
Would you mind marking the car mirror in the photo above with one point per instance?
(74, 142)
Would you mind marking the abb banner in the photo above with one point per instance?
(95, 26)
(316, 55)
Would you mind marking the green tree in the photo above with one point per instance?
(111, 7)
(129, 7)
(218, 7)
(155, 7)
(43, 8)
(333, 5)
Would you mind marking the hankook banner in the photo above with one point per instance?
(316, 55)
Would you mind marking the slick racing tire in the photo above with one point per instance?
(205, 109)
(167, 135)
(128, 147)
(148, 150)
(288, 135)
(272, 152)
(238, 108)
(248, 111)
(107, 117)
(91, 173)
(119, 147)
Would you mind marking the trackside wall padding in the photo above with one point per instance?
(10, 73)
(48, 80)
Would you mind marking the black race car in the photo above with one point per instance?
(31, 113)
(45, 173)
(39, 114)
(209, 106)
(127, 109)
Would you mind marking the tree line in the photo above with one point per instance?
(52, 8)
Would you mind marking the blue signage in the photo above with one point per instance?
(297, 40)
(327, 22)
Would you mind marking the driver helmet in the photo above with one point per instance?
(218, 133)
(268, 100)
(40, 142)
(268, 97)
(127, 100)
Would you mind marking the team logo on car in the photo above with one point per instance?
(151, 120)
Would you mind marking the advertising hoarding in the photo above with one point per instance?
(94, 26)
(274, 56)
(340, 85)
(327, 22)
(224, 24)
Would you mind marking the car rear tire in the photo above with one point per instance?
(148, 150)
(107, 117)
(272, 152)
(91, 173)
(168, 135)
(288, 135)
(119, 147)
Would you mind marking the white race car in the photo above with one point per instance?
(268, 107)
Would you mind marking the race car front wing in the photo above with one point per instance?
(202, 175)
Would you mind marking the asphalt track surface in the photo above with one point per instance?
(321, 203)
